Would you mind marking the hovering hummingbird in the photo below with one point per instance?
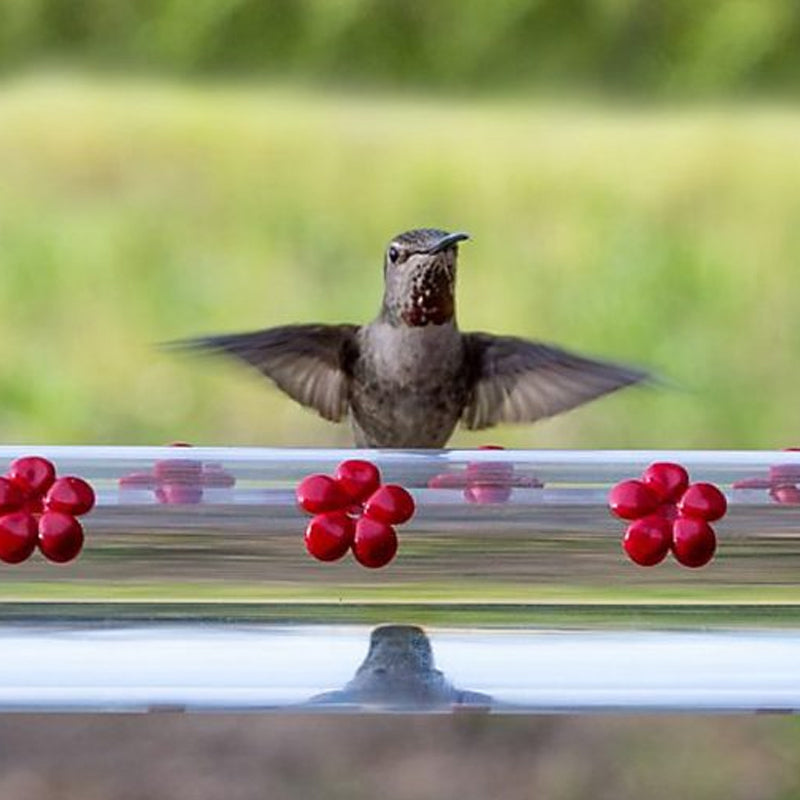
(410, 375)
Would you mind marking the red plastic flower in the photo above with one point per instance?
(179, 481)
(782, 482)
(485, 482)
(353, 511)
(38, 509)
(668, 513)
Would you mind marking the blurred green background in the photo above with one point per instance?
(628, 171)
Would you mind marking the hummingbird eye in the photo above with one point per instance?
(394, 254)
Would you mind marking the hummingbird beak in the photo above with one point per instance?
(447, 241)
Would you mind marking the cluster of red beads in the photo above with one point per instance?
(485, 482)
(353, 511)
(39, 509)
(668, 514)
(179, 481)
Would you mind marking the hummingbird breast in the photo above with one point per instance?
(409, 385)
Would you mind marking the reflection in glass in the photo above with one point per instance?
(399, 672)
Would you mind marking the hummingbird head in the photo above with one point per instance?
(399, 649)
(420, 275)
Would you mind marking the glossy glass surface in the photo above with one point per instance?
(522, 603)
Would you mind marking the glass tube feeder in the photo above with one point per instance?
(198, 593)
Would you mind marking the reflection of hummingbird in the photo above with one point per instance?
(399, 672)
(409, 376)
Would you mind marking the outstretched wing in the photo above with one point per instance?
(515, 380)
(311, 363)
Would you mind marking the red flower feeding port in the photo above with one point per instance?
(179, 481)
(668, 514)
(353, 511)
(485, 482)
(37, 509)
(782, 482)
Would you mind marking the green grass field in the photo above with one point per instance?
(133, 213)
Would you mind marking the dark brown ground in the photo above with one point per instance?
(408, 758)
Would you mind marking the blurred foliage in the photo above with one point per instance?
(133, 213)
(679, 47)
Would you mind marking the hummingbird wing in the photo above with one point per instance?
(516, 380)
(311, 363)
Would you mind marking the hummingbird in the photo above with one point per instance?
(407, 378)
(399, 672)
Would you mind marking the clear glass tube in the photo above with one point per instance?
(198, 593)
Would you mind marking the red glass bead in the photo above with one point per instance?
(60, 536)
(391, 504)
(358, 478)
(787, 495)
(487, 493)
(11, 496)
(33, 474)
(329, 535)
(318, 493)
(647, 540)
(693, 541)
(703, 500)
(71, 495)
(375, 543)
(17, 536)
(667, 480)
(632, 499)
(179, 494)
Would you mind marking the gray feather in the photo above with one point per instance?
(311, 363)
(515, 380)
